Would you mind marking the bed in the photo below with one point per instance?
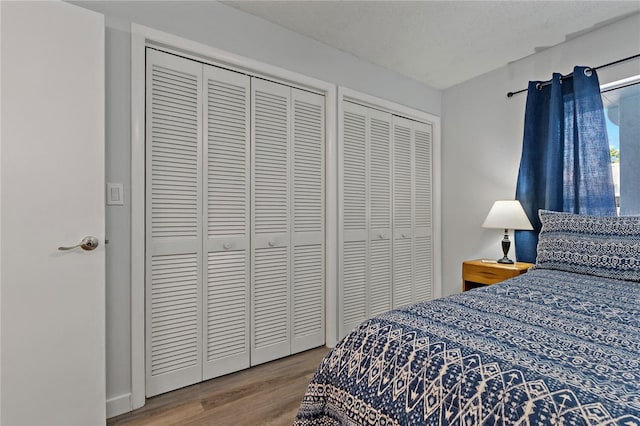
(557, 345)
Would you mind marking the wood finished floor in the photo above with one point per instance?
(268, 394)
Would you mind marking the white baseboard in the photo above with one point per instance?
(119, 405)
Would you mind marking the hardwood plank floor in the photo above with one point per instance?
(268, 394)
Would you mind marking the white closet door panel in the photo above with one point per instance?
(174, 138)
(354, 268)
(402, 272)
(174, 312)
(423, 243)
(227, 180)
(423, 185)
(354, 204)
(270, 295)
(403, 211)
(227, 339)
(380, 279)
(379, 282)
(271, 136)
(308, 162)
(307, 284)
(174, 223)
(354, 168)
(228, 153)
(308, 297)
(380, 170)
(402, 175)
(423, 275)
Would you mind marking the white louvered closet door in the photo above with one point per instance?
(353, 253)
(403, 211)
(422, 230)
(379, 283)
(270, 295)
(227, 232)
(307, 280)
(173, 222)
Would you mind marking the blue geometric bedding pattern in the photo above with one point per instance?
(547, 348)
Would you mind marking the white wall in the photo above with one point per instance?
(482, 134)
(225, 28)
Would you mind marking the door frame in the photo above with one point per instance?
(143, 37)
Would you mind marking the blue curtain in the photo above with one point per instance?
(565, 164)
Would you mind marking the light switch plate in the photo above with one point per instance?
(115, 194)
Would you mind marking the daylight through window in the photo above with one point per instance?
(622, 111)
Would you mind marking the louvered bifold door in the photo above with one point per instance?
(173, 222)
(403, 211)
(227, 200)
(422, 231)
(380, 231)
(270, 316)
(353, 214)
(307, 279)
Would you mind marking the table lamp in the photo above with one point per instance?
(507, 214)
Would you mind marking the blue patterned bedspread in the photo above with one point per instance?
(546, 348)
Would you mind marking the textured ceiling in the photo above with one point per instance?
(440, 43)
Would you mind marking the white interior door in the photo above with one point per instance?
(380, 220)
(270, 296)
(307, 277)
(355, 197)
(174, 222)
(227, 239)
(403, 211)
(52, 194)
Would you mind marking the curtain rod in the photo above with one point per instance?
(548, 82)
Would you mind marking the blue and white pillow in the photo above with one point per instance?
(605, 246)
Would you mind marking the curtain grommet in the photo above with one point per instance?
(538, 86)
(588, 72)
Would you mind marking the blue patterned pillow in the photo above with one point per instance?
(605, 246)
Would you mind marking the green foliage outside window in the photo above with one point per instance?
(615, 155)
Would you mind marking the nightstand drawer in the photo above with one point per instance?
(483, 275)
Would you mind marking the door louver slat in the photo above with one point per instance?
(423, 178)
(270, 288)
(227, 160)
(380, 169)
(308, 167)
(271, 148)
(308, 290)
(402, 277)
(170, 347)
(227, 305)
(171, 163)
(354, 177)
(354, 302)
(423, 271)
(380, 277)
(402, 207)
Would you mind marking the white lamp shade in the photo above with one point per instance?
(507, 214)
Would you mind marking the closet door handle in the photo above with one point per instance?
(271, 243)
(226, 246)
(380, 236)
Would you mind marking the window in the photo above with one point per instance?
(621, 101)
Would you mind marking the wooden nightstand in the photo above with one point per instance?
(476, 273)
